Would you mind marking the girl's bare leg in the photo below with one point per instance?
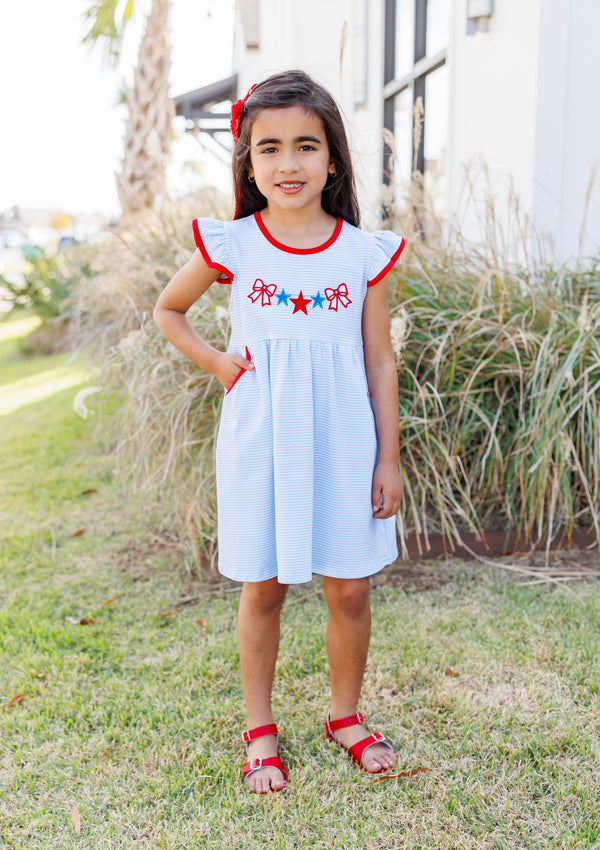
(258, 641)
(347, 641)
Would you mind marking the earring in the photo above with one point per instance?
(250, 178)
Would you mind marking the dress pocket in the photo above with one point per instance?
(239, 374)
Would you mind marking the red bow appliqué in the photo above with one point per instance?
(236, 112)
(338, 296)
(263, 291)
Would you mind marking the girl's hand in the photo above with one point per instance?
(387, 490)
(228, 367)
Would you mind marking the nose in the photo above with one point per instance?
(288, 162)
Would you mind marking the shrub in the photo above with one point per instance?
(44, 290)
(499, 395)
(47, 281)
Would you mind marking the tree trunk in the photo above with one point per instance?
(149, 125)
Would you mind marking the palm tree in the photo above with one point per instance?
(148, 133)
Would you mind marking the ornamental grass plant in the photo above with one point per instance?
(499, 375)
(169, 408)
(498, 367)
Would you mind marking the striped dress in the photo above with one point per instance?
(297, 447)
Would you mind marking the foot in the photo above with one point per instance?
(377, 758)
(265, 779)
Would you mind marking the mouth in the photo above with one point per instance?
(290, 186)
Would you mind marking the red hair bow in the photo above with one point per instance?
(236, 111)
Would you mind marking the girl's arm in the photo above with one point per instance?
(186, 286)
(382, 380)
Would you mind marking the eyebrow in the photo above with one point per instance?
(296, 140)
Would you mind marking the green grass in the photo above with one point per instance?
(137, 717)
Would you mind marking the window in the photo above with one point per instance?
(416, 40)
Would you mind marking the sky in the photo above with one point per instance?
(62, 130)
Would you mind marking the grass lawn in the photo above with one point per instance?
(127, 733)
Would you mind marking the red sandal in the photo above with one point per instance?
(272, 761)
(356, 751)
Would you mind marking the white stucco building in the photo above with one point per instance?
(506, 83)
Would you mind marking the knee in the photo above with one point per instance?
(264, 597)
(348, 597)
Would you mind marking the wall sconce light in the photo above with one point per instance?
(479, 13)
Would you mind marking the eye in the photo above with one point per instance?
(307, 147)
(269, 150)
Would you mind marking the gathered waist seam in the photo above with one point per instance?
(324, 342)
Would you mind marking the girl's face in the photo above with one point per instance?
(290, 158)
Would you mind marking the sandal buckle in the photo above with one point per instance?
(256, 764)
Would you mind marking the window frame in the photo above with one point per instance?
(414, 80)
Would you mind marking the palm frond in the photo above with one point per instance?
(107, 26)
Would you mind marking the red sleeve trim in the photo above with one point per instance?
(226, 275)
(389, 266)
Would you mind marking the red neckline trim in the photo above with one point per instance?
(290, 250)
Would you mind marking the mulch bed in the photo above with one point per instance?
(562, 566)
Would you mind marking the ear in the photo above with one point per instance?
(250, 173)
(331, 168)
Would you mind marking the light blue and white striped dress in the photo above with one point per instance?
(297, 446)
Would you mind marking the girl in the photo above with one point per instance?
(307, 450)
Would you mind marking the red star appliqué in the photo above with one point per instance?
(300, 303)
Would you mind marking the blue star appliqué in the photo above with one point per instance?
(282, 297)
(318, 300)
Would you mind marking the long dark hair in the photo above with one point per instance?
(295, 88)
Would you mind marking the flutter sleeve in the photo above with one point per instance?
(210, 239)
(387, 248)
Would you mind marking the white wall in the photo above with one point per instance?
(366, 119)
(567, 143)
(522, 101)
(305, 35)
(492, 105)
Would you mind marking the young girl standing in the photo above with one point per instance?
(307, 450)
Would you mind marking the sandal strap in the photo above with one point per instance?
(256, 764)
(356, 751)
(258, 732)
(352, 720)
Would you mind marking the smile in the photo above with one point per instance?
(290, 187)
